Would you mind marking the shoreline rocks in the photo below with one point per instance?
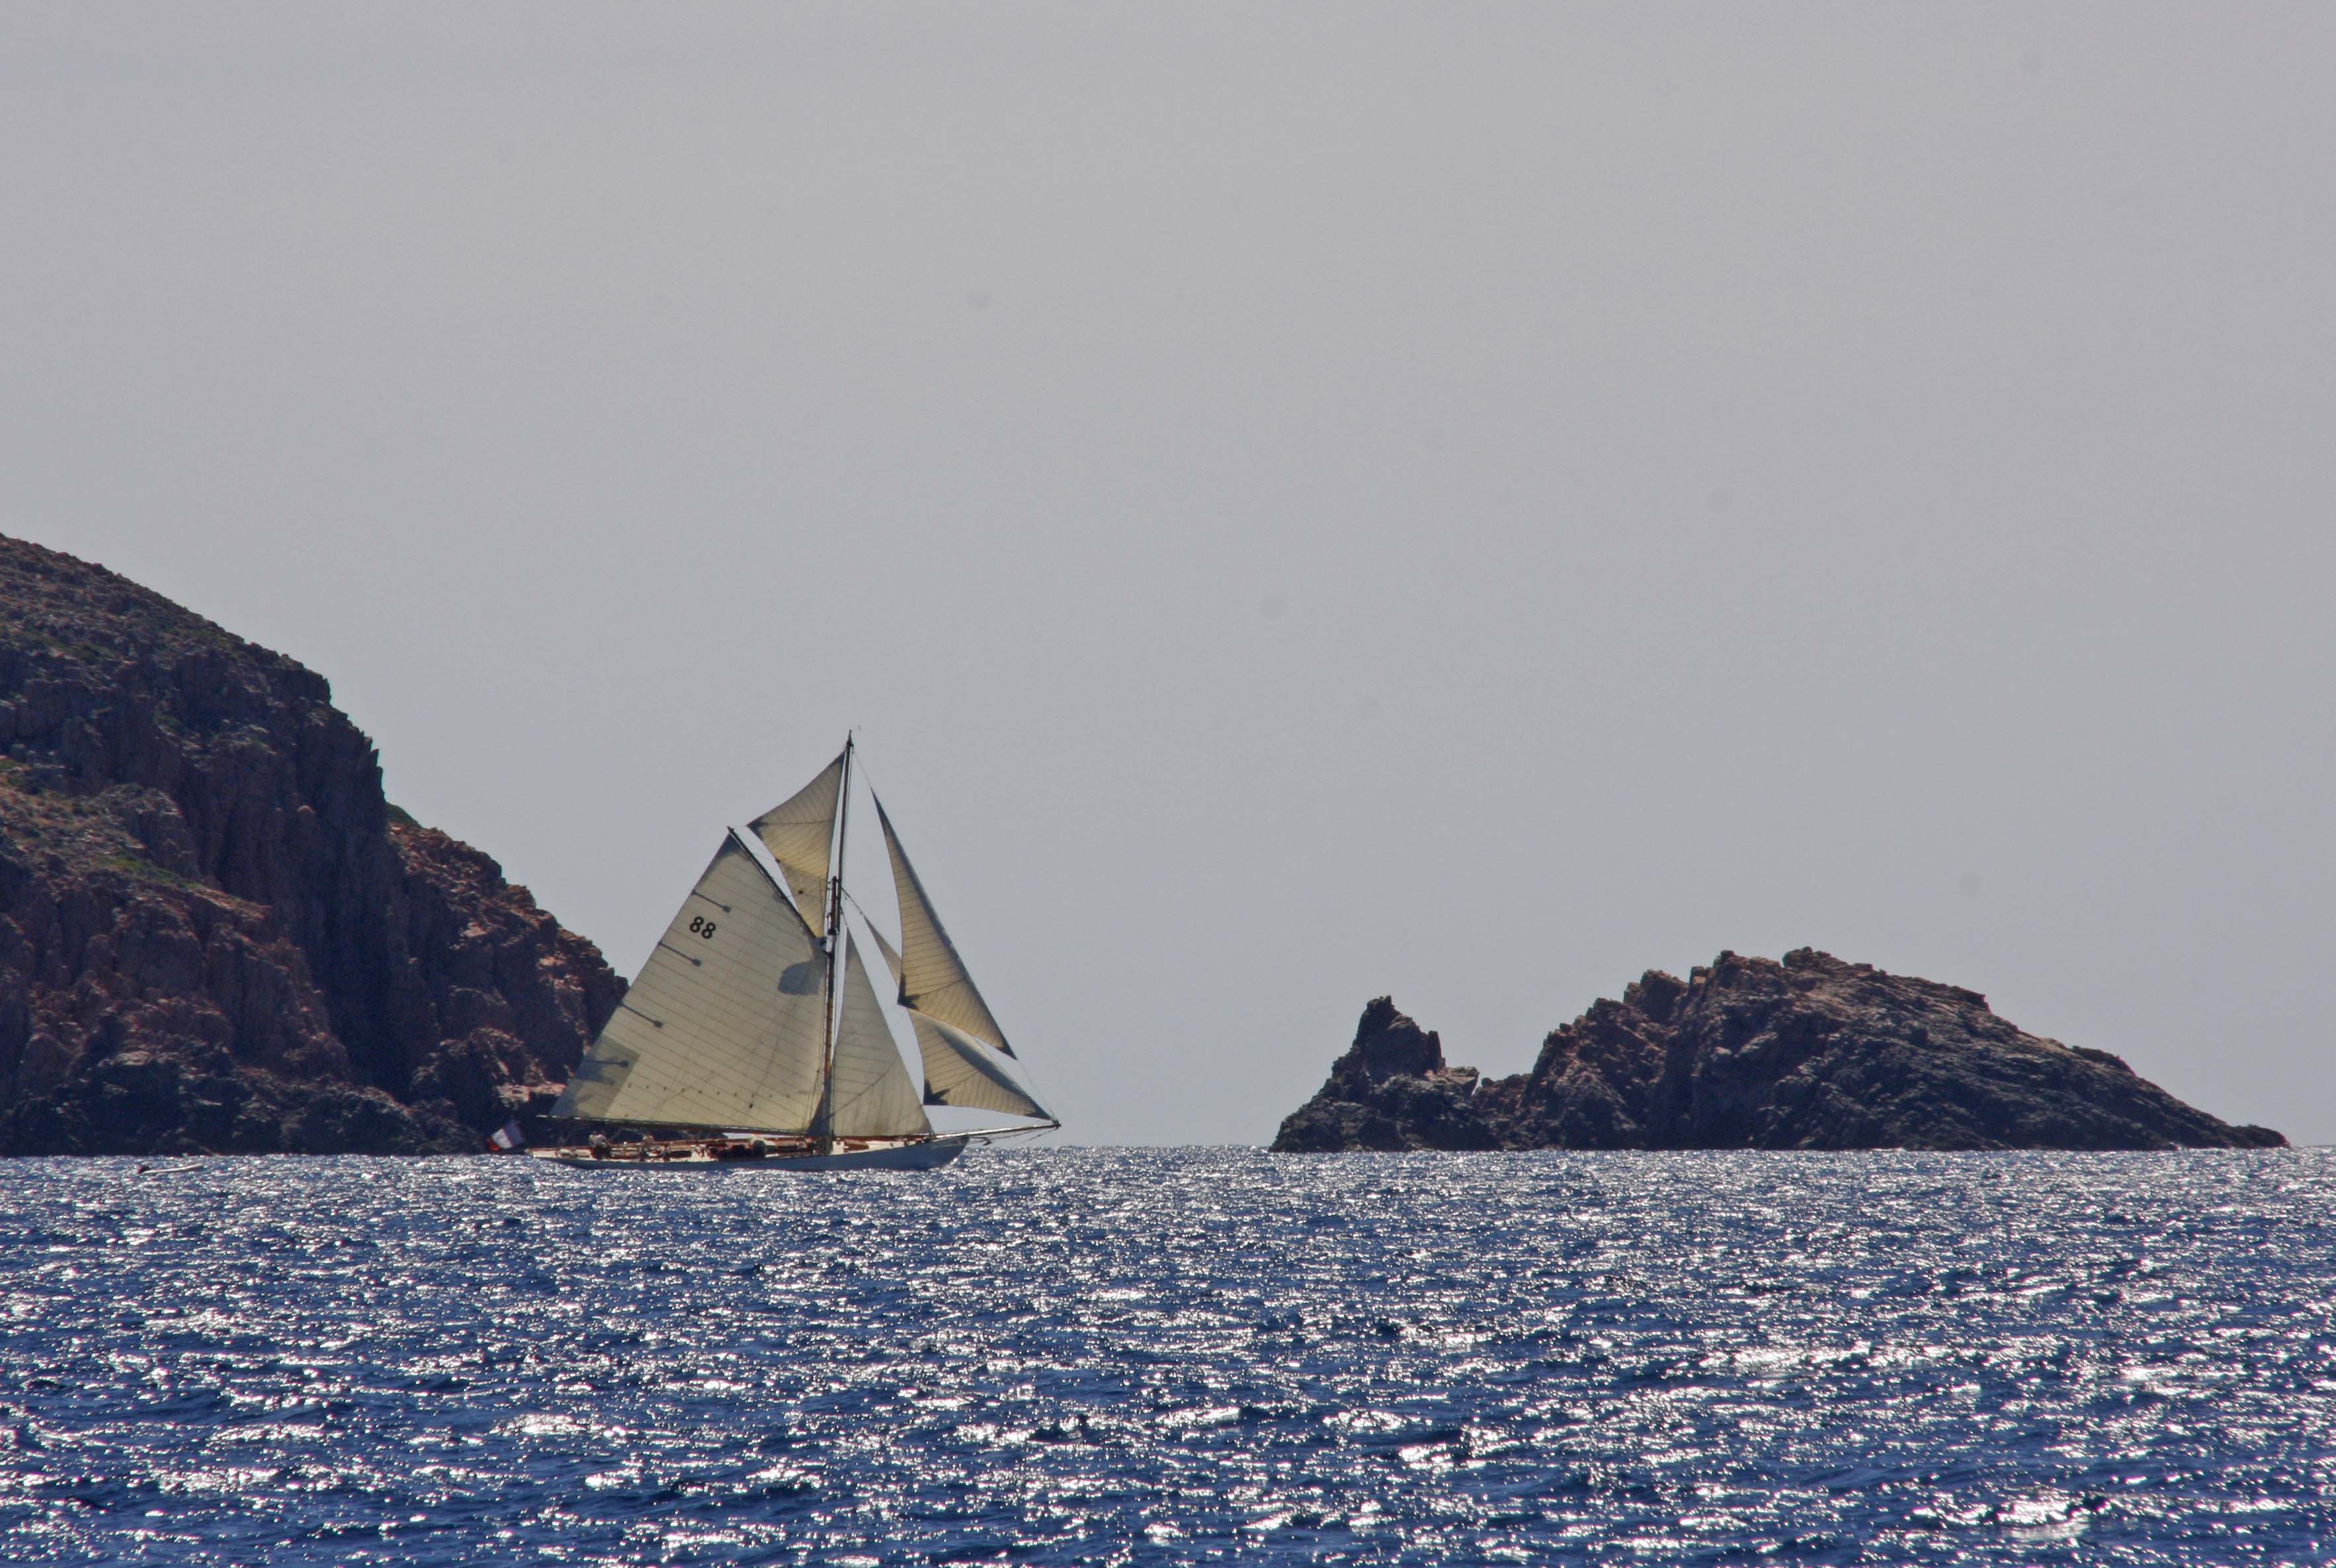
(1808, 1053)
(216, 934)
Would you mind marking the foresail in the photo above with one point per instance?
(797, 833)
(725, 1026)
(933, 978)
(869, 1095)
(961, 1071)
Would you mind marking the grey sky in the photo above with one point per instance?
(1303, 501)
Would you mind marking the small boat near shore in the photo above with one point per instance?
(752, 1037)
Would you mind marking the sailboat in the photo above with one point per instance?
(754, 1035)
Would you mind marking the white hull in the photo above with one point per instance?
(921, 1154)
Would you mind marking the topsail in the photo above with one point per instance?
(797, 832)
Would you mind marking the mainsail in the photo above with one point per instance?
(797, 833)
(868, 1091)
(933, 978)
(959, 1069)
(725, 1026)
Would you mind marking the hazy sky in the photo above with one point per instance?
(1303, 501)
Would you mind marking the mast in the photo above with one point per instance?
(826, 1121)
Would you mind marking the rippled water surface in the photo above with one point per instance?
(1115, 1355)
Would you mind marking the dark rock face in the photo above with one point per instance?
(1812, 1053)
(215, 934)
(1390, 1091)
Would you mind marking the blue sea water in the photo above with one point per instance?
(1172, 1356)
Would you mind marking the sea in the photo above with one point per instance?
(1117, 1356)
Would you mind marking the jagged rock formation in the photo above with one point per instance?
(1390, 1091)
(1812, 1053)
(215, 934)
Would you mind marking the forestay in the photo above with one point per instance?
(797, 832)
(933, 978)
(725, 1026)
(869, 1094)
(959, 1069)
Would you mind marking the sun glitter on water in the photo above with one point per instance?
(1167, 1356)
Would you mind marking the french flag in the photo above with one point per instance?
(506, 1137)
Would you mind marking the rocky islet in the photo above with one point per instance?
(1746, 1053)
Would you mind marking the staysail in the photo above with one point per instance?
(725, 1026)
(933, 978)
(869, 1093)
(797, 833)
(959, 1069)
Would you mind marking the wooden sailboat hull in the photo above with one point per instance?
(921, 1154)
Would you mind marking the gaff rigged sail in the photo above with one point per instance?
(725, 1026)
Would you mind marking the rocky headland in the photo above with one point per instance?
(216, 934)
(1811, 1053)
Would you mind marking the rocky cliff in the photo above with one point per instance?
(1812, 1053)
(215, 932)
